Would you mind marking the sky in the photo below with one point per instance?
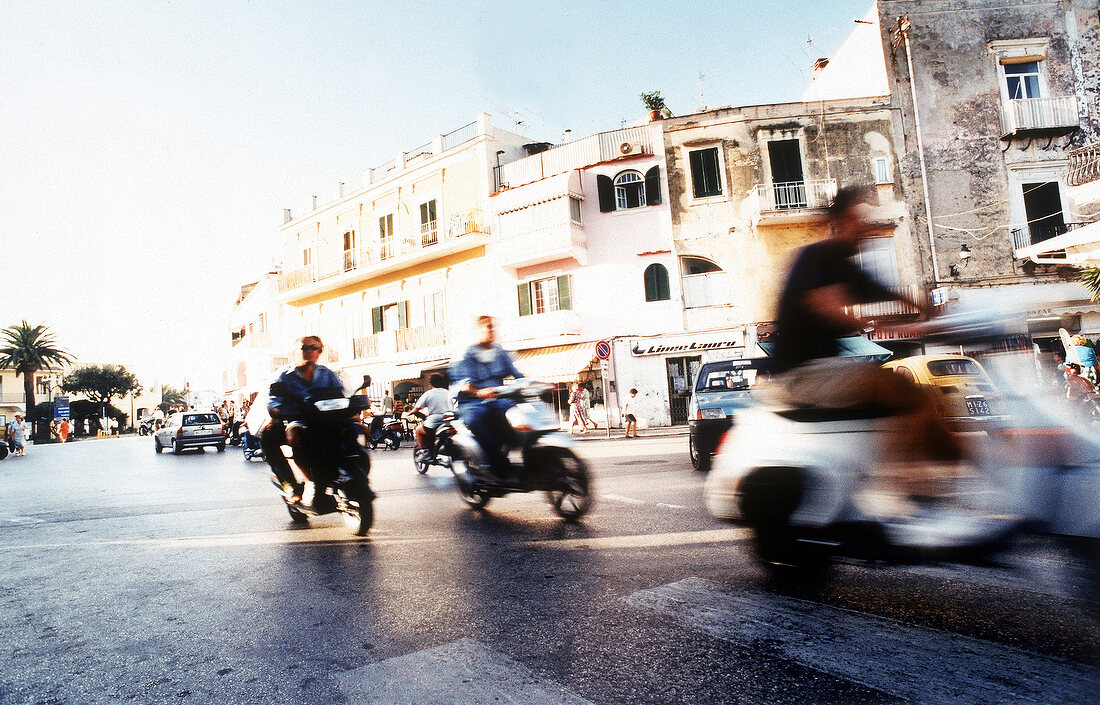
(147, 148)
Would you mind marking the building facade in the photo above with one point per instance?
(992, 98)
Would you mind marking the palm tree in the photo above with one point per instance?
(1090, 277)
(28, 349)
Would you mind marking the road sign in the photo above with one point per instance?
(603, 349)
(61, 407)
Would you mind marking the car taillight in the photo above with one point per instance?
(179, 432)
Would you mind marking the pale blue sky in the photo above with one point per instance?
(149, 147)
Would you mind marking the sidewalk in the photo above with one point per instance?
(600, 434)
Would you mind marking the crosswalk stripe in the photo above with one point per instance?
(678, 538)
(874, 651)
(463, 672)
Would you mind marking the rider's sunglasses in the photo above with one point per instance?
(306, 348)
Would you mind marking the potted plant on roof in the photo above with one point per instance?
(655, 104)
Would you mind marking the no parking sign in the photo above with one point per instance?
(603, 349)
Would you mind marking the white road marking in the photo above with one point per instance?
(463, 672)
(671, 506)
(680, 538)
(954, 668)
(621, 498)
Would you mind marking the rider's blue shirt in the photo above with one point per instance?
(483, 368)
(296, 389)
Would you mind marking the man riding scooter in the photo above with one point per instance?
(288, 398)
(431, 405)
(482, 368)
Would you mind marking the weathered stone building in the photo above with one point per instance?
(749, 186)
(991, 95)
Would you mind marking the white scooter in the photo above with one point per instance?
(809, 483)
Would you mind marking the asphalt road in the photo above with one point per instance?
(134, 577)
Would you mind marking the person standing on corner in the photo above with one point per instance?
(631, 425)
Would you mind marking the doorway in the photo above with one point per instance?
(1043, 207)
(788, 179)
(682, 372)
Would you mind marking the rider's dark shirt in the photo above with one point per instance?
(295, 388)
(802, 334)
(482, 369)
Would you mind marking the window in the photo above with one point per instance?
(385, 236)
(656, 283)
(706, 179)
(1022, 80)
(575, 209)
(393, 316)
(433, 308)
(349, 250)
(307, 257)
(882, 170)
(704, 283)
(545, 295)
(262, 327)
(429, 233)
(629, 190)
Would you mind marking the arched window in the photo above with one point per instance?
(704, 283)
(656, 283)
(629, 190)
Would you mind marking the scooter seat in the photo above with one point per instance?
(815, 414)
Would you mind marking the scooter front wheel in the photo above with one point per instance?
(296, 515)
(357, 507)
(571, 496)
(420, 460)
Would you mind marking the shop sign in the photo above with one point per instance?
(671, 346)
(887, 335)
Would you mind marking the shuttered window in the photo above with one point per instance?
(545, 295)
(656, 283)
(706, 179)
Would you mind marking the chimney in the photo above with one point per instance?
(340, 189)
(820, 64)
(286, 216)
(314, 203)
(567, 137)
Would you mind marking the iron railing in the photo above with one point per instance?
(364, 346)
(429, 233)
(792, 195)
(296, 278)
(1084, 165)
(601, 147)
(457, 137)
(351, 260)
(418, 337)
(1035, 233)
(888, 308)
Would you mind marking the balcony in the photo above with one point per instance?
(546, 244)
(791, 201)
(880, 309)
(464, 231)
(365, 346)
(1039, 115)
(427, 336)
(1084, 165)
(601, 147)
(1034, 234)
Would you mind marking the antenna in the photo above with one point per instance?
(702, 103)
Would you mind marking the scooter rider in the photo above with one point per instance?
(483, 367)
(432, 405)
(288, 398)
(822, 286)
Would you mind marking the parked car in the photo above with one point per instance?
(965, 394)
(191, 429)
(721, 388)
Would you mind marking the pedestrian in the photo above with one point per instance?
(1086, 357)
(387, 404)
(18, 431)
(576, 414)
(398, 405)
(63, 430)
(586, 404)
(631, 425)
(112, 425)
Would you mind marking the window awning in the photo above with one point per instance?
(557, 363)
(1082, 247)
(536, 192)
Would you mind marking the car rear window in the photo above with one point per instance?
(196, 419)
(722, 378)
(962, 366)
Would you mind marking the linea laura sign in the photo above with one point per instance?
(666, 346)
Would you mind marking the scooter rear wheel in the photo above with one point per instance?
(571, 497)
(296, 516)
(358, 506)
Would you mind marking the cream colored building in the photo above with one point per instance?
(391, 274)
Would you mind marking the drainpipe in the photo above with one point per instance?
(904, 23)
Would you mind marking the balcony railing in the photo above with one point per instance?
(554, 241)
(792, 199)
(258, 340)
(1039, 115)
(364, 347)
(351, 260)
(296, 278)
(597, 148)
(1036, 233)
(879, 309)
(1084, 165)
(421, 337)
(429, 233)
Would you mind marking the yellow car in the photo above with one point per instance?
(963, 391)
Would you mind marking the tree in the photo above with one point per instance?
(100, 383)
(28, 349)
(170, 396)
(1090, 277)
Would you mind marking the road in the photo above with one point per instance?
(134, 577)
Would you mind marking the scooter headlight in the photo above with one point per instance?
(331, 404)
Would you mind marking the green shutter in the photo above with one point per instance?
(524, 291)
(376, 315)
(402, 315)
(565, 298)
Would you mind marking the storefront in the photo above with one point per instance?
(561, 365)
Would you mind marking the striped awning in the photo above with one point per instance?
(556, 363)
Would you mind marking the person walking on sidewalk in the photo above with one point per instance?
(17, 434)
(628, 416)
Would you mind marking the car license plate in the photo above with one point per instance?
(977, 407)
(208, 432)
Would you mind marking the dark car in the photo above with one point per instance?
(191, 429)
(721, 388)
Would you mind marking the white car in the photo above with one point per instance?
(191, 429)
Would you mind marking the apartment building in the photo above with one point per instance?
(391, 273)
(260, 339)
(993, 99)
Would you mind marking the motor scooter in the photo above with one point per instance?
(547, 461)
(811, 486)
(340, 465)
(440, 450)
(384, 431)
(146, 426)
